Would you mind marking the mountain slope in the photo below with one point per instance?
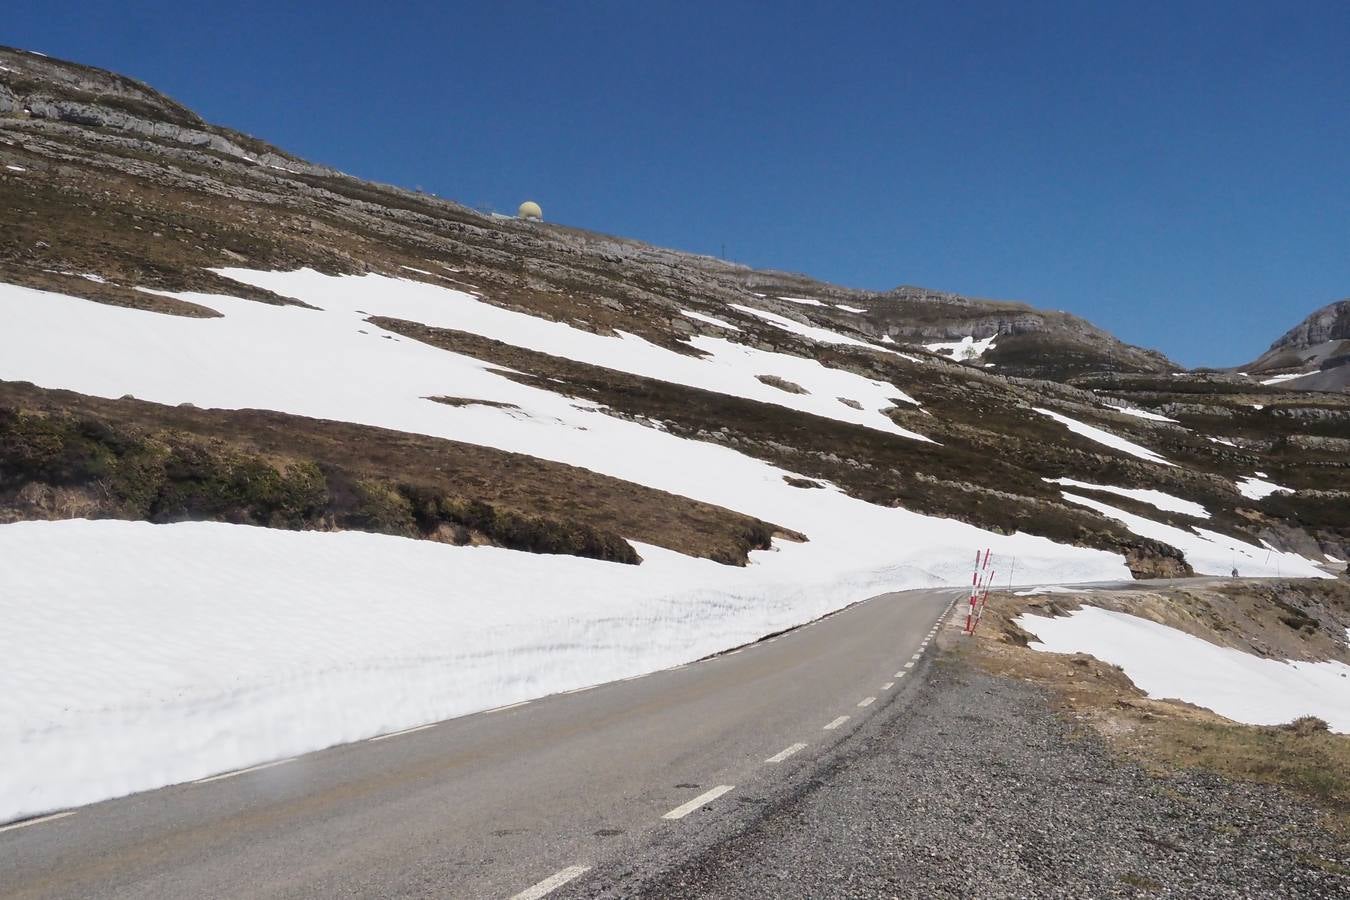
(1313, 355)
(528, 455)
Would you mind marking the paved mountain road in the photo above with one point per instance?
(514, 801)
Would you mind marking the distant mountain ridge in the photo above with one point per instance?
(1317, 350)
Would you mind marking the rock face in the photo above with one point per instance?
(1028, 341)
(39, 87)
(1330, 323)
(1318, 346)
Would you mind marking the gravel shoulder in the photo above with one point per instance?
(972, 785)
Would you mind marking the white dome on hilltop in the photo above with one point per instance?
(530, 210)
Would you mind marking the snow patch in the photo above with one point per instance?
(709, 319)
(804, 301)
(963, 350)
(1140, 413)
(1101, 436)
(1256, 487)
(1168, 663)
(846, 308)
(1289, 376)
(1156, 498)
(1209, 552)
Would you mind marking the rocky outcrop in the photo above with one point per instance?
(37, 87)
(1330, 323)
(1318, 346)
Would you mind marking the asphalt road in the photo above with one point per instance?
(503, 803)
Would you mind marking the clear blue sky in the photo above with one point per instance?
(1177, 172)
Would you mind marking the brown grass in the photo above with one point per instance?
(351, 455)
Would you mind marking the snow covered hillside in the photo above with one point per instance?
(288, 458)
(174, 635)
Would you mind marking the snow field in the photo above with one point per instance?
(330, 363)
(152, 654)
(1168, 663)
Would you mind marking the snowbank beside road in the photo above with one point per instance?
(138, 655)
(1168, 663)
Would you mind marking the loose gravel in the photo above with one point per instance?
(971, 786)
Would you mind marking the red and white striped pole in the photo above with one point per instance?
(980, 580)
(977, 584)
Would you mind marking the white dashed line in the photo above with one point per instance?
(917, 656)
(901, 674)
(36, 821)
(888, 685)
(866, 701)
(551, 883)
(511, 706)
(706, 797)
(784, 754)
(381, 737)
(910, 664)
(280, 762)
(835, 724)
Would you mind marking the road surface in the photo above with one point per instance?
(506, 803)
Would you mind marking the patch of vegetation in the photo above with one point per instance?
(416, 510)
(782, 384)
(1294, 617)
(173, 477)
(1312, 762)
(468, 401)
(64, 455)
(160, 478)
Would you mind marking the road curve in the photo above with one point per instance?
(506, 803)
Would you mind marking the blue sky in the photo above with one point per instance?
(1177, 172)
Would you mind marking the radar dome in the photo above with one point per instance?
(530, 210)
